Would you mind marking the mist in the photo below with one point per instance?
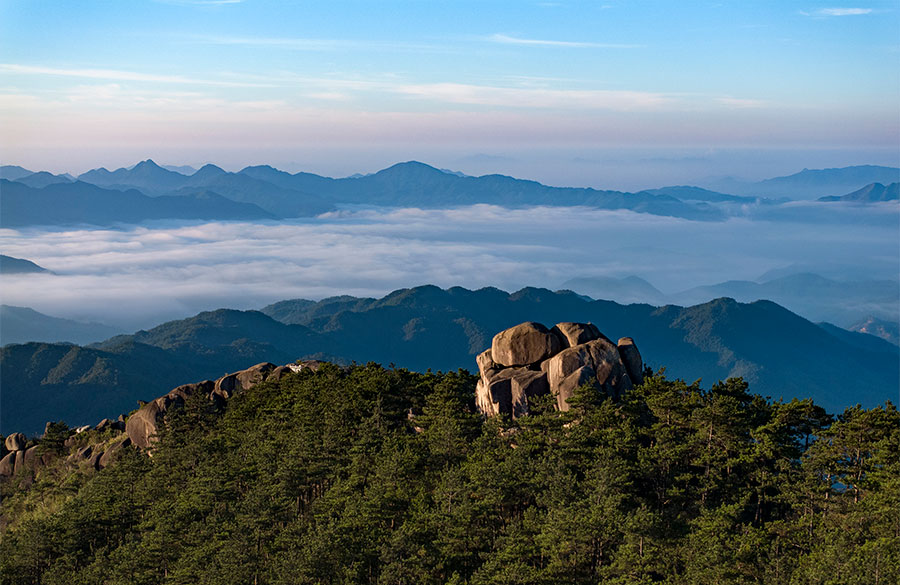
(138, 276)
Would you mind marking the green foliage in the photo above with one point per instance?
(373, 475)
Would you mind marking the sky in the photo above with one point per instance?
(615, 94)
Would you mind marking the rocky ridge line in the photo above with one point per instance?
(138, 430)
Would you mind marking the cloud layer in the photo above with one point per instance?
(138, 276)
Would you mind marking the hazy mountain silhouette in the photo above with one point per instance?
(870, 193)
(183, 169)
(686, 193)
(82, 203)
(817, 297)
(21, 325)
(811, 184)
(13, 172)
(630, 289)
(404, 184)
(42, 179)
(146, 176)
(10, 265)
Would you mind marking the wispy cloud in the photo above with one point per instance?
(119, 75)
(741, 102)
(845, 11)
(199, 2)
(510, 40)
(460, 93)
(314, 44)
(838, 12)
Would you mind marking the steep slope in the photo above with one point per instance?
(49, 382)
(10, 265)
(21, 325)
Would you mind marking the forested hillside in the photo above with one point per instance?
(373, 475)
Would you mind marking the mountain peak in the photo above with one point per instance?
(412, 166)
(147, 164)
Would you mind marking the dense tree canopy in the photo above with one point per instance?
(374, 475)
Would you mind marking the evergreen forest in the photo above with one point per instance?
(377, 475)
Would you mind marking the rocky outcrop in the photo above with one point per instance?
(632, 359)
(143, 425)
(529, 360)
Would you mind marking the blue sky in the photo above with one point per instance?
(753, 87)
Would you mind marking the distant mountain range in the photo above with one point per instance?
(265, 192)
(811, 184)
(83, 203)
(870, 193)
(814, 296)
(21, 325)
(780, 353)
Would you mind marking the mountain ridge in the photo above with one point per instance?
(443, 329)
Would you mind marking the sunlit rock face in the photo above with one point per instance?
(529, 360)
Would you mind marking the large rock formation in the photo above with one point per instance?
(529, 360)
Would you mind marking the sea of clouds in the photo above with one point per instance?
(138, 276)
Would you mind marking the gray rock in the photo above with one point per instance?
(226, 386)
(573, 334)
(564, 363)
(526, 384)
(113, 451)
(567, 386)
(312, 365)
(254, 375)
(525, 344)
(33, 461)
(16, 442)
(84, 452)
(493, 395)
(631, 357)
(103, 425)
(142, 426)
(20, 462)
(8, 464)
(94, 461)
(278, 373)
(485, 361)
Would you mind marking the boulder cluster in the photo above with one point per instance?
(530, 360)
(138, 430)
